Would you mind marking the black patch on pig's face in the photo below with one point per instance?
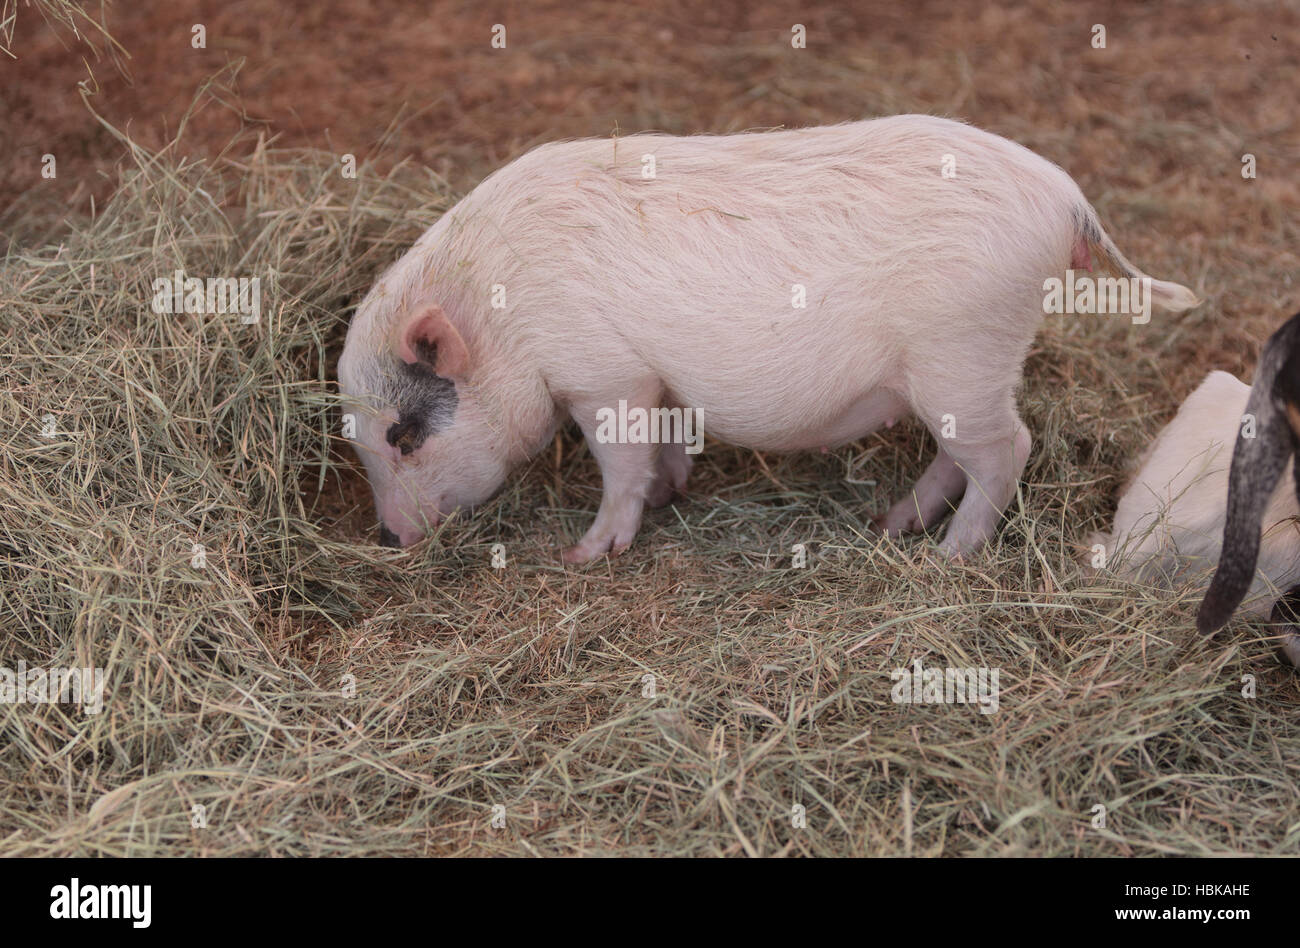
(425, 404)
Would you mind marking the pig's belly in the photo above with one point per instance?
(787, 428)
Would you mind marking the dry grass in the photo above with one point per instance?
(66, 18)
(523, 687)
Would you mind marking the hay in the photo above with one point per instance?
(316, 694)
(67, 19)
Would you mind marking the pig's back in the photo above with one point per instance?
(705, 260)
(730, 218)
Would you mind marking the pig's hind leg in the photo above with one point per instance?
(992, 465)
(627, 472)
(970, 408)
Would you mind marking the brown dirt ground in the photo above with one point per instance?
(337, 74)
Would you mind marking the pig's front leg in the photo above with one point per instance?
(626, 471)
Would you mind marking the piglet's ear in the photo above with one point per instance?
(428, 338)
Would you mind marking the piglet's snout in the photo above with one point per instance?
(404, 536)
(398, 527)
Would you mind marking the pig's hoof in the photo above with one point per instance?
(954, 550)
(901, 519)
(575, 555)
(586, 551)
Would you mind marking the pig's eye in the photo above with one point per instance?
(404, 435)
